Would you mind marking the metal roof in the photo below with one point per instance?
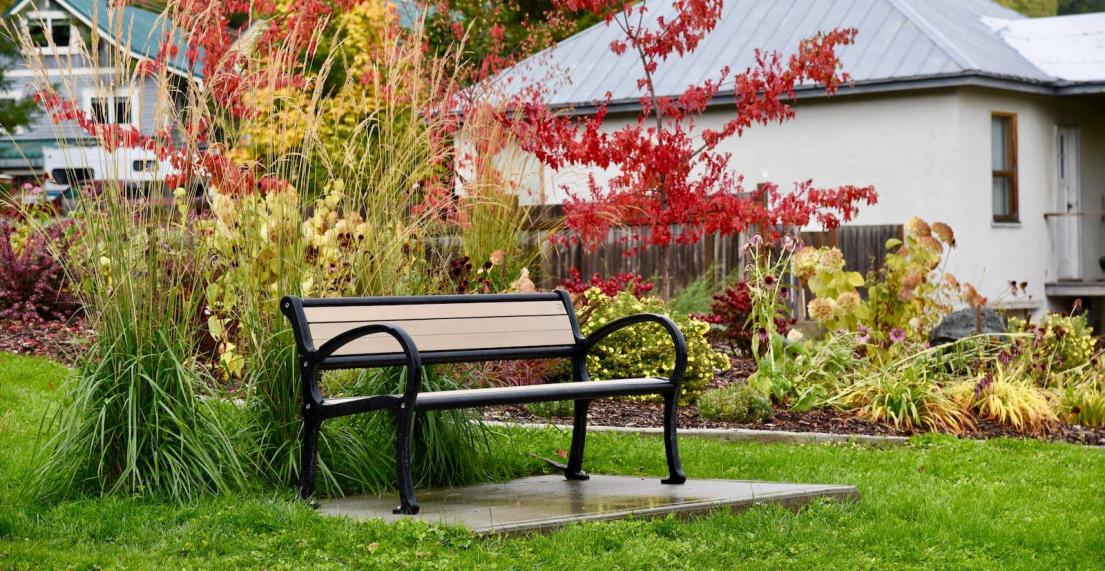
(1070, 48)
(901, 44)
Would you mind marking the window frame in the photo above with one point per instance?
(1010, 174)
(111, 99)
(47, 19)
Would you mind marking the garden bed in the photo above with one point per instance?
(631, 413)
(638, 414)
(57, 340)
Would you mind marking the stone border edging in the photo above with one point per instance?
(730, 434)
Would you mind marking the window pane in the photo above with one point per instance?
(59, 29)
(122, 110)
(37, 31)
(99, 110)
(1001, 196)
(999, 136)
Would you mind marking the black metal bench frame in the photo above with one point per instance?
(315, 408)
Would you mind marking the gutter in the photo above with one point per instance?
(963, 79)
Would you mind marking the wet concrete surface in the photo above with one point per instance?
(543, 503)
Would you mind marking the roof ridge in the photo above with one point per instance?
(933, 34)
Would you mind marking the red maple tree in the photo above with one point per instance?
(668, 174)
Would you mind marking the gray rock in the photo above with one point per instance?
(959, 324)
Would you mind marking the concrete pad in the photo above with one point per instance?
(543, 503)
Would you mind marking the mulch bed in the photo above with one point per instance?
(644, 413)
(60, 341)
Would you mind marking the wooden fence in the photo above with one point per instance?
(864, 248)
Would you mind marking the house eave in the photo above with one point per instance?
(921, 83)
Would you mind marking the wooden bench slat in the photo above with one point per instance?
(376, 344)
(322, 332)
(403, 312)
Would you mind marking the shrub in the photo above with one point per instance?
(645, 350)
(731, 310)
(912, 293)
(33, 283)
(1058, 343)
(736, 403)
(552, 409)
(836, 304)
(610, 286)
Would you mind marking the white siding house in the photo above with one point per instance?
(962, 112)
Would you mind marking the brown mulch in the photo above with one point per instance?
(60, 341)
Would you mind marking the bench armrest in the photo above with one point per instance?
(673, 331)
(410, 350)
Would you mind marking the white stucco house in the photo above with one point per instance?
(961, 111)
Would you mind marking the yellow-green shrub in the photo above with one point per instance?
(737, 403)
(645, 350)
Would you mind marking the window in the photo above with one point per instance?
(46, 32)
(73, 177)
(144, 166)
(1003, 159)
(112, 109)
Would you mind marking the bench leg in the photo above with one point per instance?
(308, 457)
(671, 447)
(404, 421)
(579, 439)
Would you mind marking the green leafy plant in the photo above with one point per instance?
(736, 403)
(1057, 343)
(837, 303)
(645, 350)
(808, 373)
(552, 409)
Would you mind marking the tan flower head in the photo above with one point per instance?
(831, 260)
(805, 262)
(497, 257)
(931, 244)
(917, 228)
(944, 233)
(848, 302)
(912, 280)
(822, 309)
(951, 280)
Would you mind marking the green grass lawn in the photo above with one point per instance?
(937, 503)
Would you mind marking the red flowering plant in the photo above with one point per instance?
(670, 174)
(611, 286)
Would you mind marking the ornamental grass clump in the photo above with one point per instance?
(646, 350)
(133, 418)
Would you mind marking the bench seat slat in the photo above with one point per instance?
(370, 313)
(323, 332)
(468, 398)
(377, 344)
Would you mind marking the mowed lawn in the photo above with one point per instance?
(938, 503)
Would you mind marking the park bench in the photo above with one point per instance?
(354, 333)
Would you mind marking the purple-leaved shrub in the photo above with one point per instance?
(33, 282)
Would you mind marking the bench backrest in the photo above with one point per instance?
(444, 328)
